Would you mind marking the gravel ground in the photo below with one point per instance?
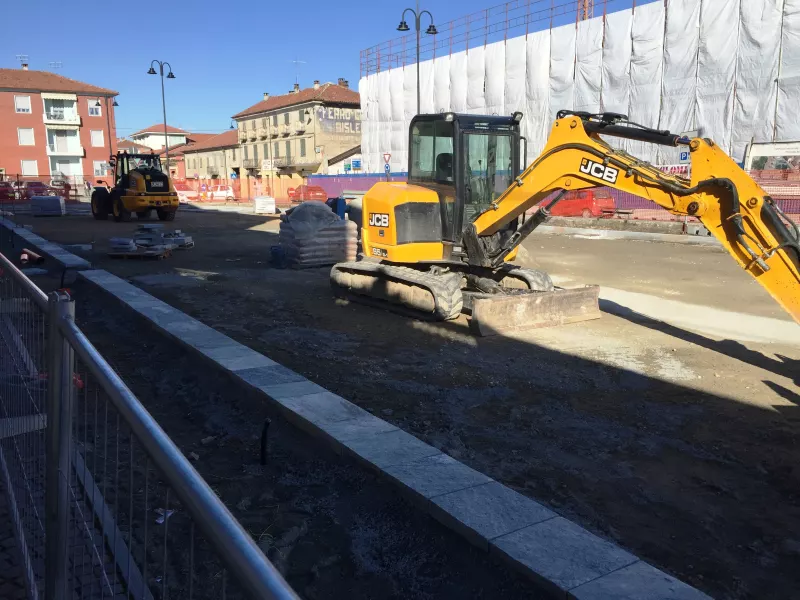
(681, 446)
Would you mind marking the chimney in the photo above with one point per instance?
(296, 88)
(341, 81)
(24, 66)
(266, 96)
(316, 84)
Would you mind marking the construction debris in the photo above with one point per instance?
(152, 236)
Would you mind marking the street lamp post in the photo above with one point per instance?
(170, 75)
(430, 31)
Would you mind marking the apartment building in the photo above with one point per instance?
(53, 126)
(153, 136)
(291, 136)
(217, 157)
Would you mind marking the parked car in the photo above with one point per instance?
(585, 203)
(307, 192)
(37, 188)
(185, 193)
(8, 192)
(221, 192)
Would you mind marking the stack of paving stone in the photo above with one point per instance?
(120, 245)
(311, 235)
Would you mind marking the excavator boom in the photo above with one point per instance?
(731, 205)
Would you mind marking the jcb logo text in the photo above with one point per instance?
(599, 170)
(379, 219)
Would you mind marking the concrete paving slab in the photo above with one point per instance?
(638, 581)
(268, 375)
(435, 475)
(360, 427)
(321, 409)
(288, 390)
(484, 512)
(236, 357)
(386, 449)
(560, 555)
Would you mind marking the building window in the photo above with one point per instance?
(244, 152)
(285, 118)
(302, 146)
(30, 168)
(22, 104)
(97, 138)
(94, 110)
(275, 120)
(255, 153)
(301, 116)
(99, 168)
(234, 153)
(264, 122)
(276, 150)
(288, 149)
(25, 136)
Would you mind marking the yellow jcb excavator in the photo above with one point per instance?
(443, 242)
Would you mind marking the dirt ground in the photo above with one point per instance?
(682, 445)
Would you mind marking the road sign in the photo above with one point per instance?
(387, 157)
(387, 168)
(684, 157)
(356, 164)
(346, 167)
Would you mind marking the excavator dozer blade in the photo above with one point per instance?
(498, 315)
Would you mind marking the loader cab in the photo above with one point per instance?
(468, 160)
(125, 163)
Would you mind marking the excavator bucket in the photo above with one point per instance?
(503, 314)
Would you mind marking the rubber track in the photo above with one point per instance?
(538, 281)
(445, 288)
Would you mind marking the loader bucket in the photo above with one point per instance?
(500, 314)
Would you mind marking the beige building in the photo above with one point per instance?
(288, 137)
(214, 158)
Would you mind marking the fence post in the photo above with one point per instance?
(59, 442)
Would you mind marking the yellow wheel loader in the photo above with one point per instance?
(140, 186)
(443, 242)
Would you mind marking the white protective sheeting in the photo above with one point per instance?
(458, 82)
(647, 57)
(427, 103)
(679, 84)
(716, 68)
(476, 82)
(537, 122)
(588, 65)
(514, 93)
(441, 84)
(616, 80)
(708, 64)
(756, 71)
(562, 69)
(397, 127)
(495, 62)
(788, 123)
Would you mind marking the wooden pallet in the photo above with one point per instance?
(142, 254)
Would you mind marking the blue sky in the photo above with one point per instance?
(224, 54)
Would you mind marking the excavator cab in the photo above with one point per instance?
(467, 160)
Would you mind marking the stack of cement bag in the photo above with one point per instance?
(311, 235)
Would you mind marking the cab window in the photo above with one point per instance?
(432, 152)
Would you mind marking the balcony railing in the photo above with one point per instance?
(70, 150)
(251, 163)
(286, 129)
(251, 134)
(60, 117)
(263, 132)
(274, 130)
(299, 127)
(242, 136)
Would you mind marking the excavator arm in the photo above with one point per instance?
(731, 205)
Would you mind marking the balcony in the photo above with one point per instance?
(263, 132)
(299, 127)
(68, 150)
(242, 136)
(251, 163)
(252, 135)
(286, 129)
(60, 117)
(274, 131)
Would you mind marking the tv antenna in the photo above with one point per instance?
(55, 64)
(297, 64)
(23, 59)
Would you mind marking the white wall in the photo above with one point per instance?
(681, 66)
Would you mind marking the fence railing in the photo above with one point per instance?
(103, 502)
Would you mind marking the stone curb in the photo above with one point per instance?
(67, 260)
(563, 559)
(613, 234)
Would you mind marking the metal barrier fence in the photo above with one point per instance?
(103, 502)
(18, 189)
